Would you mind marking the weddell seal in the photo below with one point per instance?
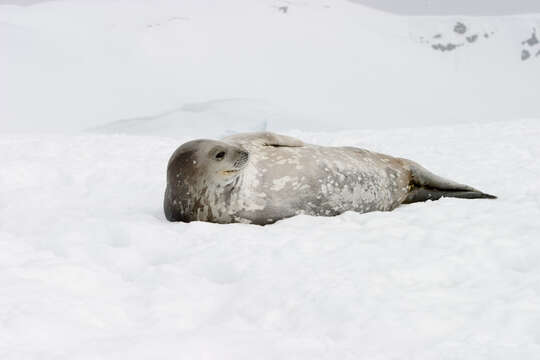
(260, 178)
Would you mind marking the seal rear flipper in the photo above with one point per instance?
(424, 185)
(424, 194)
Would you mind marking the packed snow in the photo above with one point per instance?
(96, 95)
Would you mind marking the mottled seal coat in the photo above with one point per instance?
(260, 178)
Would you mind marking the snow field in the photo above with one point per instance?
(90, 268)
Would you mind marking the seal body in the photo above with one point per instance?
(260, 178)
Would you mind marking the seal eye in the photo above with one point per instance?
(220, 155)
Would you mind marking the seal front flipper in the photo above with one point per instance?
(265, 138)
(424, 185)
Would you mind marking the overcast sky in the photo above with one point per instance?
(425, 7)
(459, 7)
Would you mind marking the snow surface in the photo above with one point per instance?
(90, 268)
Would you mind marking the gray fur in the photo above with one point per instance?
(283, 177)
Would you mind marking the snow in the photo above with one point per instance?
(91, 268)
(322, 65)
(96, 95)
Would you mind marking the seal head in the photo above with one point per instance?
(201, 174)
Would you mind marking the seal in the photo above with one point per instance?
(260, 178)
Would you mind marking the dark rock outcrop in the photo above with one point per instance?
(472, 38)
(460, 28)
(447, 47)
(532, 41)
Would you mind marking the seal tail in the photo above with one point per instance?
(424, 185)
